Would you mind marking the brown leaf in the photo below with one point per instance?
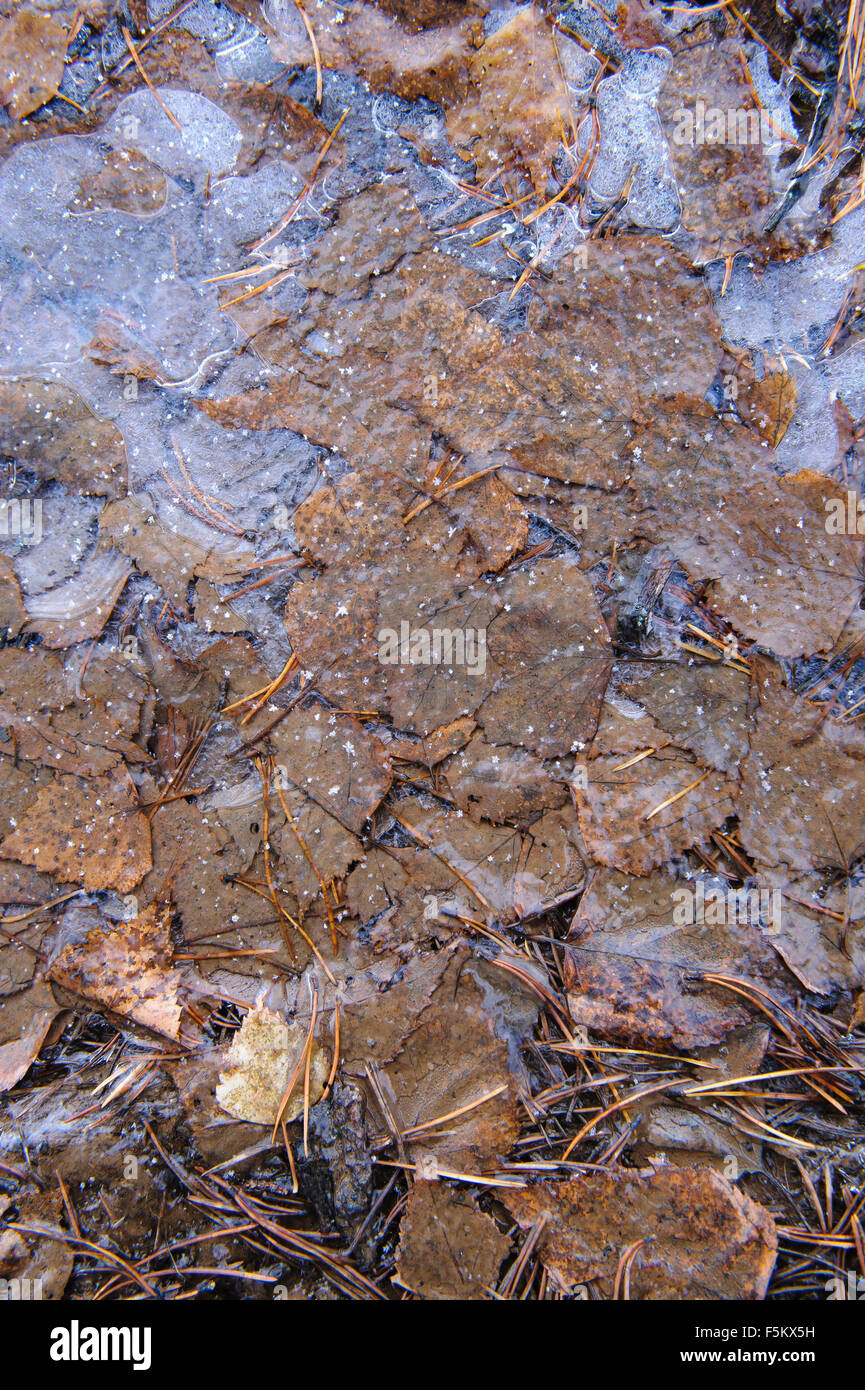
(725, 185)
(25, 1019)
(125, 967)
(821, 929)
(759, 542)
(127, 182)
(507, 874)
(452, 1059)
(335, 762)
(32, 50)
(406, 890)
(409, 62)
(803, 783)
(326, 842)
(618, 808)
(169, 556)
(554, 412)
(447, 1247)
(90, 833)
(632, 966)
(517, 100)
(703, 707)
(703, 1239)
(769, 405)
(498, 783)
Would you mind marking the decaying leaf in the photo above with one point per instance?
(723, 174)
(638, 946)
(335, 762)
(25, 1018)
(52, 431)
(408, 61)
(127, 182)
(32, 49)
(507, 874)
(452, 1060)
(260, 1062)
(125, 967)
(168, 556)
(13, 614)
(638, 815)
(702, 707)
(820, 929)
(447, 1247)
(90, 833)
(702, 1238)
(768, 405)
(503, 784)
(759, 542)
(517, 106)
(803, 783)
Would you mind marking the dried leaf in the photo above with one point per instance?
(259, 1065)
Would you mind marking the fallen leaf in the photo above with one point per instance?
(517, 105)
(90, 833)
(125, 967)
(703, 1239)
(498, 783)
(13, 614)
(703, 707)
(25, 1019)
(32, 50)
(820, 928)
(452, 1060)
(80, 607)
(632, 964)
(333, 761)
(768, 405)
(803, 783)
(259, 1065)
(639, 816)
(508, 875)
(448, 1248)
